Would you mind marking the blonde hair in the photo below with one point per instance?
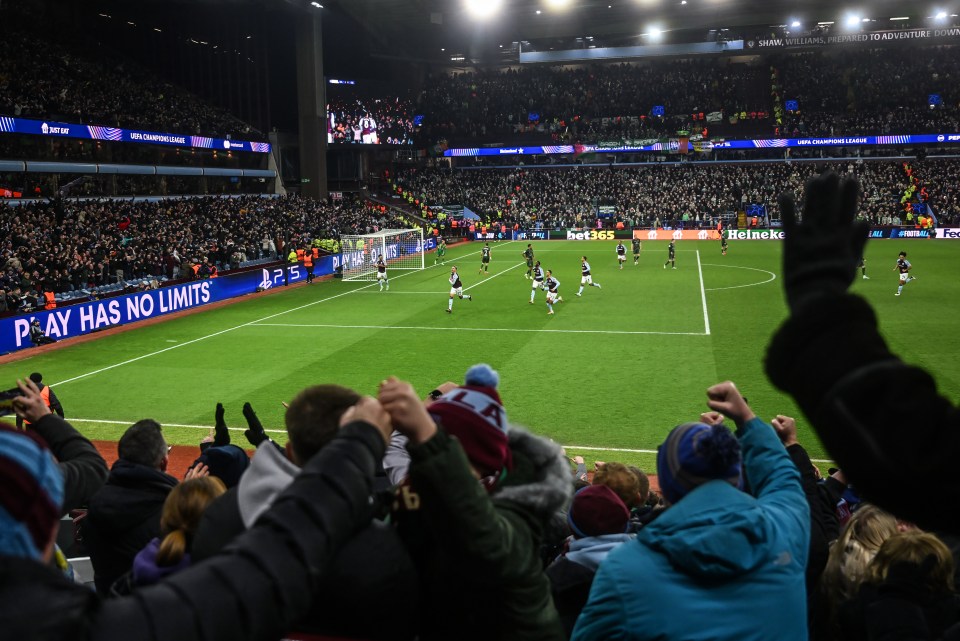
(181, 515)
(850, 554)
(915, 548)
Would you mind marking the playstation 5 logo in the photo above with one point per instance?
(274, 277)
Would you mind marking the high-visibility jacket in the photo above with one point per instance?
(300, 254)
(196, 269)
(51, 300)
(316, 252)
(292, 257)
(308, 259)
(45, 395)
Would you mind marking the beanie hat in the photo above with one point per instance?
(474, 414)
(226, 462)
(695, 453)
(31, 494)
(597, 510)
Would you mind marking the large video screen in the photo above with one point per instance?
(369, 113)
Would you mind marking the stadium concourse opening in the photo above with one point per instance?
(453, 308)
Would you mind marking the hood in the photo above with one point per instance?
(590, 551)
(715, 531)
(540, 481)
(269, 474)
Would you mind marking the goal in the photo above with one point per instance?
(402, 249)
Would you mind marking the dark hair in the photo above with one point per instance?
(36, 377)
(313, 417)
(143, 443)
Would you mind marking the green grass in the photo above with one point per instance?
(617, 369)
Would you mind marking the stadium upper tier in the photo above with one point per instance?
(836, 93)
(52, 80)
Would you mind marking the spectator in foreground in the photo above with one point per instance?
(719, 562)
(599, 522)
(372, 567)
(893, 446)
(908, 593)
(850, 556)
(479, 494)
(125, 514)
(84, 470)
(182, 510)
(254, 590)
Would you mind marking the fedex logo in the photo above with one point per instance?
(948, 233)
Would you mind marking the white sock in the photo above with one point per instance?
(450, 304)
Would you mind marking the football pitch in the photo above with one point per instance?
(607, 376)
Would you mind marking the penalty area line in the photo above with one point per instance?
(478, 329)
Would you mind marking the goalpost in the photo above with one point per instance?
(402, 249)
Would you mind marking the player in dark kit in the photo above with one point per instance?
(671, 255)
(537, 280)
(636, 252)
(456, 289)
(485, 259)
(528, 255)
(723, 245)
(903, 266)
(863, 268)
(621, 254)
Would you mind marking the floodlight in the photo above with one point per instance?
(940, 15)
(558, 4)
(795, 23)
(852, 20)
(483, 9)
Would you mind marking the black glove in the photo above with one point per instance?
(256, 435)
(821, 253)
(221, 433)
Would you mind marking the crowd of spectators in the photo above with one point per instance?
(589, 102)
(689, 194)
(870, 92)
(456, 522)
(46, 79)
(67, 245)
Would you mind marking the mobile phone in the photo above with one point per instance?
(6, 400)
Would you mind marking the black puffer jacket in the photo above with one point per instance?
(122, 518)
(256, 589)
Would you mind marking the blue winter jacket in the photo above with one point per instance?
(719, 564)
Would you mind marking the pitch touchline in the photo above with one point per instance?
(633, 451)
(193, 427)
(587, 448)
(475, 329)
(224, 331)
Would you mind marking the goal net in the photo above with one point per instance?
(402, 249)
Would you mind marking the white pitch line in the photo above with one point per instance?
(193, 427)
(229, 329)
(703, 297)
(479, 329)
(634, 451)
(587, 448)
(772, 278)
(223, 331)
(487, 280)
